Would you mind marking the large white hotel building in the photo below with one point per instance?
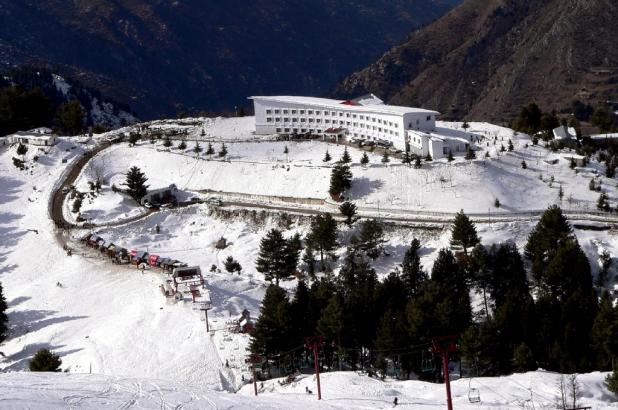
(364, 118)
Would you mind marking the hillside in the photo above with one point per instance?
(163, 57)
(31, 96)
(487, 58)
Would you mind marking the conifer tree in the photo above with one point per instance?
(330, 324)
(364, 159)
(293, 248)
(45, 361)
(470, 154)
(348, 209)
(4, 320)
(464, 232)
(450, 156)
(572, 164)
(197, 149)
(167, 142)
(272, 329)
(309, 260)
(136, 183)
(524, 165)
(323, 235)
(428, 158)
(210, 150)
(70, 117)
(371, 238)
(77, 205)
(511, 145)
(412, 274)
(22, 149)
(385, 158)
(406, 158)
(417, 162)
(232, 265)
(273, 259)
(223, 151)
(286, 150)
(345, 158)
(327, 157)
(603, 202)
(604, 330)
(611, 382)
(340, 180)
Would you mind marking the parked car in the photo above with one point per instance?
(66, 190)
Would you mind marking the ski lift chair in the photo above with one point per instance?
(474, 396)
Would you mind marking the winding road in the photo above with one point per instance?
(421, 219)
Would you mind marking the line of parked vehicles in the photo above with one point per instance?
(184, 279)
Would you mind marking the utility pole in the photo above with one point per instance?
(443, 346)
(254, 359)
(315, 343)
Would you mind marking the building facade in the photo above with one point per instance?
(365, 118)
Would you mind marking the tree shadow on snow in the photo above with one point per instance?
(10, 189)
(364, 186)
(19, 361)
(27, 321)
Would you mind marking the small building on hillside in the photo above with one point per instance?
(37, 136)
(161, 196)
(564, 133)
(579, 160)
(438, 145)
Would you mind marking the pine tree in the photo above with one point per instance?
(524, 165)
(309, 260)
(133, 138)
(572, 164)
(232, 265)
(417, 162)
(77, 205)
(348, 209)
(293, 248)
(345, 158)
(223, 151)
(286, 150)
(45, 361)
(603, 202)
(364, 159)
(560, 193)
(502, 149)
(465, 125)
(463, 232)
(604, 330)
(197, 149)
(4, 320)
(611, 382)
(450, 156)
(210, 150)
(167, 142)
(523, 358)
(470, 154)
(272, 329)
(406, 158)
(487, 154)
(70, 118)
(371, 238)
(323, 235)
(330, 324)
(385, 158)
(327, 157)
(511, 145)
(340, 180)
(136, 183)
(273, 259)
(428, 158)
(22, 149)
(412, 273)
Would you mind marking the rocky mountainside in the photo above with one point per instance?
(487, 58)
(164, 56)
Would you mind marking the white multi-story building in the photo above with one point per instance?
(364, 118)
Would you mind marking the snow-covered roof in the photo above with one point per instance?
(564, 132)
(604, 136)
(341, 104)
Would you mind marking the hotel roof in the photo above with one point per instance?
(348, 105)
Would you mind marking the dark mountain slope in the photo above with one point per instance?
(163, 56)
(487, 58)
